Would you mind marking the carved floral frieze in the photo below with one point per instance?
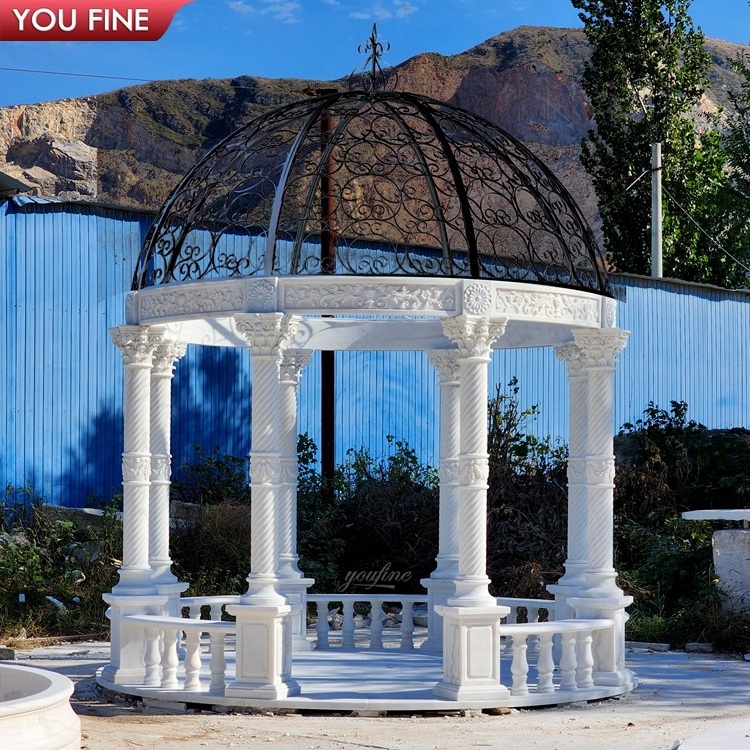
(551, 305)
(136, 468)
(350, 296)
(161, 468)
(591, 471)
(189, 301)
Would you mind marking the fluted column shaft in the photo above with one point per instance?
(598, 352)
(137, 344)
(290, 372)
(577, 557)
(268, 335)
(474, 337)
(164, 359)
(446, 364)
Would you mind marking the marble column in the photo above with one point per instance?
(264, 627)
(292, 582)
(471, 616)
(135, 592)
(165, 357)
(441, 583)
(599, 596)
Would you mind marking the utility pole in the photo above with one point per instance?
(656, 217)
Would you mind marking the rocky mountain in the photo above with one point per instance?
(131, 146)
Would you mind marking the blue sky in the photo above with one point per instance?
(296, 38)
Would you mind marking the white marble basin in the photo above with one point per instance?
(35, 712)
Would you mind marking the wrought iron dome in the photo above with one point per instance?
(371, 183)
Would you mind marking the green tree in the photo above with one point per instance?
(736, 202)
(646, 75)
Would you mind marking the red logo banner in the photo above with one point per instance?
(86, 20)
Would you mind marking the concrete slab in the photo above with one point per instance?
(681, 697)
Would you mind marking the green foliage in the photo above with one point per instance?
(647, 73)
(736, 194)
(43, 552)
(527, 499)
(211, 479)
(667, 464)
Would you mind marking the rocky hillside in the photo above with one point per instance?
(131, 146)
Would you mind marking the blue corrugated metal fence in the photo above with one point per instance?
(66, 269)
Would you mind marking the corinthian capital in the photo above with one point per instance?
(292, 362)
(137, 343)
(267, 333)
(473, 335)
(445, 361)
(165, 356)
(599, 347)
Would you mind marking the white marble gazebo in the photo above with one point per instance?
(368, 221)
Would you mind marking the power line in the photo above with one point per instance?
(75, 75)
(704, 232)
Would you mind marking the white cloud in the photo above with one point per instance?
(241, 7)
(283, 12)
(379, 11)
(288, 12)
(406, 10)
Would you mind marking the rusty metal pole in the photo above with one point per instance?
(328, 266)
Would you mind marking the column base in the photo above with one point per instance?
(472, 592)
(471, 653)
(263, 591)
(439, 590)
(128, 642)
(264, 653)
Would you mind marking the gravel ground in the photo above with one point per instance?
(680, 695)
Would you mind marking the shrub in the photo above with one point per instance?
(43, 553)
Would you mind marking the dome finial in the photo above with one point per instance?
(373, 76)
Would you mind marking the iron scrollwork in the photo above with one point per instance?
(417, 188)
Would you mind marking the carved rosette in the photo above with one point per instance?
(161, 468)
(136, 468)
(261, 296)
(445, 361)
(166, 355)
(599, 348)
(137, 343)
(472, 470)
(292, 363)
(353, 296)
(478, 299)
(473, 336)
(268, 334)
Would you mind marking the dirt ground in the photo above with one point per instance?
(680, 695)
